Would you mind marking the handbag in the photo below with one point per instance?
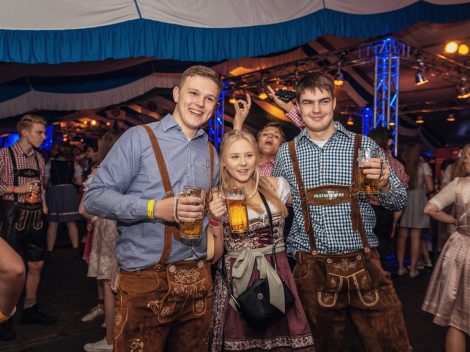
(254, 303)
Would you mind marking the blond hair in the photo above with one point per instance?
(262, 184)
(458, 168)
(203, 71)
(28, 120)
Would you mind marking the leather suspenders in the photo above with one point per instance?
(171, 229)
(306, 201)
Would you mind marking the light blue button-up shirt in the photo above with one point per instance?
(129, 176)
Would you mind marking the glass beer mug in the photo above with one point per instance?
(32, 196)
(367, 185)
(192, 230)
(237, 211)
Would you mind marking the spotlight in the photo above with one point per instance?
(450, 118)
(339, 78)
(420, 77)
(419, 120)
(108, 123)
(391, 124)
(350, 121)
(232, 100)
(451, 47)
(463, 49)
(262, 95)
(463, 91)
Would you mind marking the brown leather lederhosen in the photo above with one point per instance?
(332, 284)
(167, 307)
(22, 224)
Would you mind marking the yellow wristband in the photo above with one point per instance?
(4, 317)
(150, 206)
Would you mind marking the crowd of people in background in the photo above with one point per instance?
(153, 288)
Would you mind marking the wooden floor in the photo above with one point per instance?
(67, 293)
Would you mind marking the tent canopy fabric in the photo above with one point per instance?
(49, 31)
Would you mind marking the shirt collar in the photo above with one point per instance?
(18, 149)
(169, 122)
(340, 130)
(267, 162)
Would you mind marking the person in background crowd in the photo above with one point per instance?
(448, 293)
(332, 236)
(239, 167)
(269, 138)
(12, 276)
(62, 174)
(78, 155)
(386, 220)
(102, 262)
(413, 219)
(136, 184)
(21, 211)
(91, 154)
(447, 167)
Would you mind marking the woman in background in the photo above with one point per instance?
(413, 220)
(62, 175)
(448, 294)
(102, 262)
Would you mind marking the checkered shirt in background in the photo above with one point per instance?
(332, 165)
(266, 168)
(23, 161)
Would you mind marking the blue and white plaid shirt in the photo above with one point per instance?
(331, 165)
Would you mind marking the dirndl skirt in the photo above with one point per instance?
(62, 202)
(448, 293)
(413, 216)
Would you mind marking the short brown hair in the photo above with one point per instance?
(203, 71)
(276, 125)
(315, 80)
(28, 120)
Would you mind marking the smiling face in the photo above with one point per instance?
(269, 141)
(240, 161)
(196, 100)
(317, 108)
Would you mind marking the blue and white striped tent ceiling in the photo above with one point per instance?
(51, 31)
(73, 55)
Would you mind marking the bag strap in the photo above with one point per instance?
(170, 229)
(270, 217)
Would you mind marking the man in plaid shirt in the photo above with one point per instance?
(22, 223)
(325, 152)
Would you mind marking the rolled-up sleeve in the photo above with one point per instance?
(108, 195)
